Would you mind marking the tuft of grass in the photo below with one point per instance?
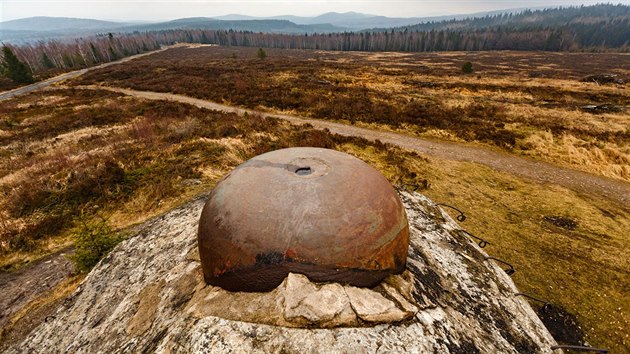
(93, 240)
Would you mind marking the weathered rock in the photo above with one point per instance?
(327, 306)
(297, 302)
(602, 108)
(395, 294)
(149, 295)
(372, 306)
(604, 79)
(16, 288)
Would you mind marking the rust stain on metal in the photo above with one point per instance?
(318, 212)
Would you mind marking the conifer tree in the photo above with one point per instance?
(13, 68)
(48, 64)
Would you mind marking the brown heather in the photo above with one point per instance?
(528, 103)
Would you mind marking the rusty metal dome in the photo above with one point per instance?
(318, 212)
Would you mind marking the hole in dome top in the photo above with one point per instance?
(303, 171)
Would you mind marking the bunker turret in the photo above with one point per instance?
(318, 212)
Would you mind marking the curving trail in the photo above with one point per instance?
(70, 75)
(542, 172)
(539, 171)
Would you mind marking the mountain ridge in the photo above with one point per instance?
(344, 20)
(48, 23)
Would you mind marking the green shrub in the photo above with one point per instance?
(261, 53)
(467, 68)
(93, 240)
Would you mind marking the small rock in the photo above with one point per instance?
(373, 307)
(323, 305)
(602, 108)
(409, 308)
(190, 182)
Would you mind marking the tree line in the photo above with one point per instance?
(546, 18)
(584, 38)
(81, 53)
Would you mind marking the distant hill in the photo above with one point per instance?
(348, 21)
(36, 28)
(334, 18)
(354, 21)
(45, 24)
(41, 27)
(237, 17)
(338, 18)
(269, 26)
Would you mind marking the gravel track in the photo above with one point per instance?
(539, 171)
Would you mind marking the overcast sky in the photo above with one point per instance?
(167, 10)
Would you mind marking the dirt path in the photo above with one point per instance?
(539, 171)
(70, 75)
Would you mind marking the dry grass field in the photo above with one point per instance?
(71, 154)
(529, 103)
